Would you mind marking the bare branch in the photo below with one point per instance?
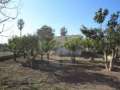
(4, 6)
(4, 36)
(4, 1)
(4, 20)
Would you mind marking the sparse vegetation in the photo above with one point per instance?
(33, 63)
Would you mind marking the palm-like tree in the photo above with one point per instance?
(100, 16)
(20, 25)
(63, 31)
(113, 22)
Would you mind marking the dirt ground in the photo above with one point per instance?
(57, 75)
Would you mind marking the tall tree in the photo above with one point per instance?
(100, 16)
(45, 33)
(98, 38)
(108, 40)
(46, 42)
(112, 37)
(92, 40)
(20, 25)
(63, 31)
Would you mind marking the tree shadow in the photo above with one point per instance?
(4, 58)
(117, 62)
(49, 66)
(74, 74)
(96, 65)
(42, 65)
(90, 54)
(116, 69)
(83, 77)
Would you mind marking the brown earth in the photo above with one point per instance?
(57, 75)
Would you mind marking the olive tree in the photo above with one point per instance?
(72, 44)
(46, 47)
(29, 44)
(46, 42)
(15, 46)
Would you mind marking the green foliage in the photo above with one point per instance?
(93, 33)
(45, 38)
(23, 44)
(45, 33)
(93, 38)
(87, 43)
(46, 46)
(63, 31)
(107, 40)
(100, 15)
(73, 44)
(30, 42)
(15, 44)
(113, 20)
(20, 24)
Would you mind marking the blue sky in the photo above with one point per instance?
(58, 13)
(69, 13)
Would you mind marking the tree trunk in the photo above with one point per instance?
(106, 60)
(41, 56)
(33, 57)
(101, 26)
(73, 58)
(92, 56)
(110, 64)
(116, 56)
(48, 56)
(31, 52)
(111, 61)
(15, 57)
(24, 54)
(20, 33)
